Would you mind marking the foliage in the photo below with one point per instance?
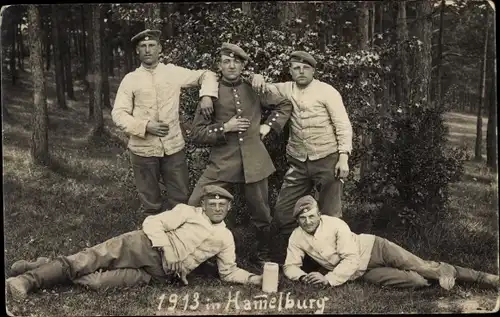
(408, 148)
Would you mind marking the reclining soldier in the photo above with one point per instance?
(346, 256)
(172, 243)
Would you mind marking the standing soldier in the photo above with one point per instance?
(319, 145)
(147, 109)
(238, 155)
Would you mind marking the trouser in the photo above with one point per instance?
(299, 180)
(124, 260)
(256, 196)
(147, 171)
(392, 265)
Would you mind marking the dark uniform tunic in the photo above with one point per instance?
(240, 157)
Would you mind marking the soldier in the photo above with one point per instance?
(319, 145)
(172, 243)
(147, 109)
(238, 155)
(347, 256)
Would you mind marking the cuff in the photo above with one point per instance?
(272, 121)
(141, 128)
(218, 130)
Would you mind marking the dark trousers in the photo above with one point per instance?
(256, 196)
(147, 172)
(300, 179)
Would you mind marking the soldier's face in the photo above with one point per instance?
(216, 208)
(231, 67)
(301, 73)
(309, 220)
(149, 51)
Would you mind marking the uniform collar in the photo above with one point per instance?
(231, 84)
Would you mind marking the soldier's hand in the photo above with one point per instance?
(342, 167)
(157, 128)
(236, 124)
(255, 280)
(259, 83)
(264, 130)
(206, 107)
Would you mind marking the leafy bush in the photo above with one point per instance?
(411, 169)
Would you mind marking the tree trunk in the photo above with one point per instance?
(111, 60)
(364, 27)
(85, 44)
(288, 11)
(482, 91)
(105, 44)
(372, 23)
(246, 7)
(20, 48)
(401, 69)
(423, 65)
(96, 80)
(58, 70)
(440, 98)
(39, 136)
(491, 134)
(12, 62)
(166, 9)
(48, 40)
(153, 17)
(90, 51)
(128, 49)
(66, 59)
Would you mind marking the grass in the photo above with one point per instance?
(87, 196)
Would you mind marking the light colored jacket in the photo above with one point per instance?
(345, 254)
(319, 124)
(145, 95)
(188, 236)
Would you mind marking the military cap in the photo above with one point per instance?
(302, 57)
(146, 35)
(216, 191)
(304, 204)
(233, 50)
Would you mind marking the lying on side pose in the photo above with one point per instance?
(172, 243)
(348, 256)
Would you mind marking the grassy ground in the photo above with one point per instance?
(87, 196)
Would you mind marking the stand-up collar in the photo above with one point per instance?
(231, 84)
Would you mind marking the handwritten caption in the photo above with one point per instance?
(235, 302)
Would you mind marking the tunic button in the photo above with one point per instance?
(270, 123)
(239, 110)
(209, 131)
(240, 132)
(277, 115)
(236, 95)
(215, 129)
(239, 117)
(237, 102)
(274, 119)
(241, 139)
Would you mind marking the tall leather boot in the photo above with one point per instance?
(45, 276)
(263, 242)
(280, 247)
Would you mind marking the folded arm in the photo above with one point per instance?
(294, 257)
(157, 226)
(281, 110)
(123, 108)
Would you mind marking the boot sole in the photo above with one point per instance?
(16, 294)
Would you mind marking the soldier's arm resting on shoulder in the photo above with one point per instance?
(203, 78)
(123, 108)
(338, 114)
(260, 85)
(156, 226)
(281, 110)
(226, 263)
(348, 253)
(294, 257)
